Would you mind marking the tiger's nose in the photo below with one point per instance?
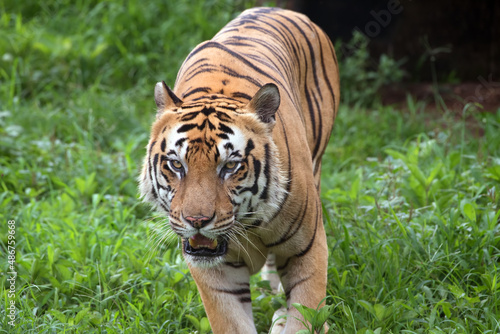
(198, 221)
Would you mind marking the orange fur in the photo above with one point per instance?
(234, 160)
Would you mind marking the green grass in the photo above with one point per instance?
(411, 198)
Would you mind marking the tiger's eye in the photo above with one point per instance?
(230, 165)
(176, 164)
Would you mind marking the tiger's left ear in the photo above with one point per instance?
(266, 102)
(165, 98)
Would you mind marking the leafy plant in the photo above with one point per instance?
(361, 77)
(314, 319)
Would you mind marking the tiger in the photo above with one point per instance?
(234, 162)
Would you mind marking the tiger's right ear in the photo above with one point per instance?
(266, 102)
(165, 98)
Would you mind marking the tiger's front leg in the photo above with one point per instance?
(304, 278)
(225, 292)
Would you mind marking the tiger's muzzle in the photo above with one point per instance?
(204, 241)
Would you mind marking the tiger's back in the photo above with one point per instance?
(234, 160)
(271, 45)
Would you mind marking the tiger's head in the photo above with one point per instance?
(212, 167)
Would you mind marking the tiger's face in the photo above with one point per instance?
(212, 167)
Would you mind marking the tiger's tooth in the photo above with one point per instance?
(192, 243)
(199, 241)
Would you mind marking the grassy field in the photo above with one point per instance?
(411, 197)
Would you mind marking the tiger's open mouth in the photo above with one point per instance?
(199, 245)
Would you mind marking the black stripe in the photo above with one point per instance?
(309, 45)
(180, 142)
(206, 67)
(314, 70)
(258, 222)
(164, 207)
(288, 35)
(308, 247)
(151, 147)
(163, 144)
(189, 116)
(225, 129)
(255, 187)
(150, 168)
(163, 160)
(283, 266)
(235, 154)
(195, 105)
(272, 66)
(271, 47)
(289, 183)
(250, 146)
(285, 39)
(330, 88)
(155, 160)
(217, 45)
(217, 153)
(292, 44)
(264, 10)
(156, 184)
(222, 136)
(317, 138)
(204, 99)
(211, 125)
(196, 90)
(186, 127)
(207, 111)
(309, 102)
(231, 107)
(304, 252)
(209, 69)
(244, 176)
(234, 74)
(267, 173)
(223, 117)
(289, 233)
(289, 289)
(225, 31)
(236, 291)
(175, 224)
(191, 66)
(328, 83)
(237, 43)
(241, 95)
